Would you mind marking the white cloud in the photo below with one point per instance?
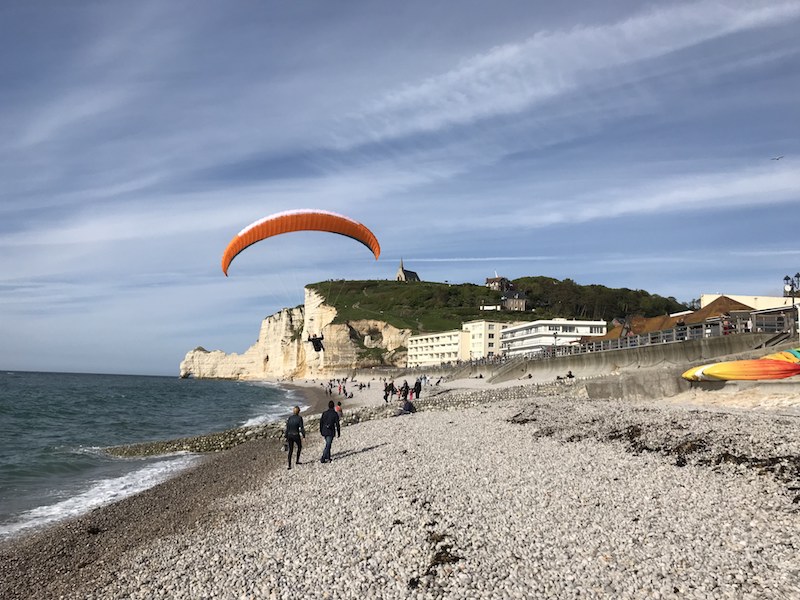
(513, 77)
(686, 193)
(70, 110)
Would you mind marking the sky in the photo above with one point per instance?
(628, 144)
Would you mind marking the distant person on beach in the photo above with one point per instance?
(389, 390)
(339, 408)
(404, 390)
(408, 408)
(294, 428)
(328, 426)
(417, 388)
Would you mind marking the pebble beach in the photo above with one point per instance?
(516, 492)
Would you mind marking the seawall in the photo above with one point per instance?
(645, 372)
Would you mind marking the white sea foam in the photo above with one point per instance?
(275, 412)
(99, 492)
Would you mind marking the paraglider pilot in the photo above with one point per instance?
(316, 341)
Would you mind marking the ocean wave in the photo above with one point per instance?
(273, 414)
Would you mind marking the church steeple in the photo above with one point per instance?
(403, 275)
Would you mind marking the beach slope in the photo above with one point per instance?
(515, 492)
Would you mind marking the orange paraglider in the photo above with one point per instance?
(299, 220)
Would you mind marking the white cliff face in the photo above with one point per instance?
(283, 351)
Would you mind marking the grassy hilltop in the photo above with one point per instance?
(428, 306)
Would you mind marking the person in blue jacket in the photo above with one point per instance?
(328, 426)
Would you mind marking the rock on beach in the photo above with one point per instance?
(513, 493)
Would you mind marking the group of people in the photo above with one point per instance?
(340, 385)
(329, 426)
(404, 392)
(330, 420)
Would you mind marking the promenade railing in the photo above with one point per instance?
(694, 331)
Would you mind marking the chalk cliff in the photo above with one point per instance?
(283, 352)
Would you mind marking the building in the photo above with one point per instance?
(638, 325)
(484, 338)
(756, 302)
(499, 284)
(534, 337)
(515, 301)
(406, 275)
(433, 349)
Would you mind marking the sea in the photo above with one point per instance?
(54, 428)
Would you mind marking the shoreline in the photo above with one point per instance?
(83, 557)
(80, 547)
(211, 447)
(45, 561)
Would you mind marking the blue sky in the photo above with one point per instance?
(621, 143)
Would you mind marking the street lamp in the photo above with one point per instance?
(791, 285)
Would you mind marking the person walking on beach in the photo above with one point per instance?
(339, 409)
(389, 390)
(294, 428)
(328, 425)
(417, 389)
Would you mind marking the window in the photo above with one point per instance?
(491, 327)
(491, 336)
(596, 329)
(491, 344)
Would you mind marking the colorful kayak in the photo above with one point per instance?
(773, 366)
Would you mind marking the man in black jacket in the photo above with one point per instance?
(316, 342)
(294, 428)
(328, 425)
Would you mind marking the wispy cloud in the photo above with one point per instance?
(482, 259)
(764, 186)
(514, 77)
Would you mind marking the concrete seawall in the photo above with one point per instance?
(645, 372)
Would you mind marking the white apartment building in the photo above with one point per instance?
(484, 338)
(535, 336)
(431, 349)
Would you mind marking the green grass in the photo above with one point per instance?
(428, 306)
(419, 306)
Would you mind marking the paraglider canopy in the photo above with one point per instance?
(299, 220)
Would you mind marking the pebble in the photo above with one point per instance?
(523, 493)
